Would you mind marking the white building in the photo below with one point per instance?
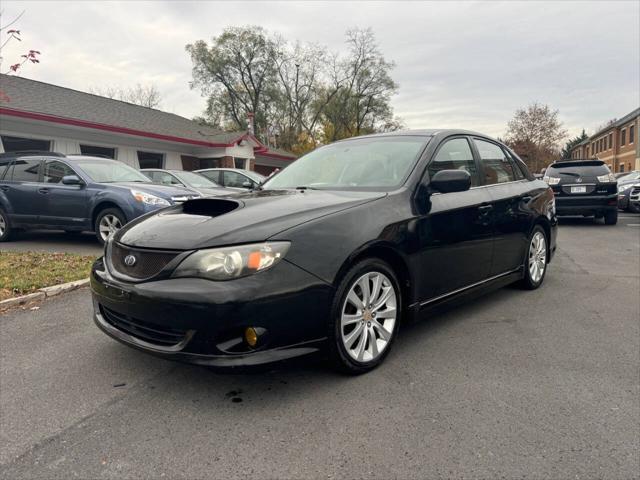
(43, 117)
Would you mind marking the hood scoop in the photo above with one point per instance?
(210, 207)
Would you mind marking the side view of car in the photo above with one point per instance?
(193, 181)
(76, 193)
(584, 187)
(233, 177)
(331, 253)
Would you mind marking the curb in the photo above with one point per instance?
(43, 293)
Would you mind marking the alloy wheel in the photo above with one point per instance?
(368, 318)
(109, 224)
(537, 256)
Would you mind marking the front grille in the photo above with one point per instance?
(149, 332)
(145, 263)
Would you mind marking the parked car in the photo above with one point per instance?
(193, 181)
(633, 175)
(629, 177)
(584, 187)
(628, 197)
(332, 252)
(76, 193)
(233, 177)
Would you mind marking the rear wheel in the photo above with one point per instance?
(108, 222)
(5, 226)
(611, 217)
(535, 264)
(365, 317)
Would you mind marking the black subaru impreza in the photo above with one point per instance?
(331, 253)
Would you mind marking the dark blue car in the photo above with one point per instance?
(76, 193)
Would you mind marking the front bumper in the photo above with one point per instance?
(586, 205)
(201, 321)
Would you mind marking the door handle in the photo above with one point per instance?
(485, 208)
(43, 190)
(4, 188)
(527, 198)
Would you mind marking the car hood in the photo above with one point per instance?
(162, 191)
(241, 218)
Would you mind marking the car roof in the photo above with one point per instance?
(425, 132)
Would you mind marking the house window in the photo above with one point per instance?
(239, 162)
(150, 159)
(610, 140)
(97, 151)
(622, 167)
(623, 137)
(19, 144)
(632, 132)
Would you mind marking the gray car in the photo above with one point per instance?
(233, 177)
(191, 180)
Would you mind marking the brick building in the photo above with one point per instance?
(616, 144)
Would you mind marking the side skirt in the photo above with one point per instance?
(450, 300)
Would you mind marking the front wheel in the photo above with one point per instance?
(535, 264)
(108, 222)
(365, 317)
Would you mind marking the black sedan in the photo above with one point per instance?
(332, 253)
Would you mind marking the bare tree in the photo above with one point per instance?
(14, 35)
(535, 133)
(143, 95)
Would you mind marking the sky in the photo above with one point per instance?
(458, 64)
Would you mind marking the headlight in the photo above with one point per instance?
(232, 262)
(149, 199)
(624, 188)
(551, 180)
(608, 178)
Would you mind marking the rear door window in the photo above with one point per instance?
(496, 166)
(455, 154)
(24, 170)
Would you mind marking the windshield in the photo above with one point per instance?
(374, 162)
(195, 180)
(110, 171)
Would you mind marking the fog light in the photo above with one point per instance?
(251, 336)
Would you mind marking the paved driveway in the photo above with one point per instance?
(541, 384)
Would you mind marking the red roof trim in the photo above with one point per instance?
(108, 128)
(267, 153)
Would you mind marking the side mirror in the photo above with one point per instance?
(247, 184)
(71, 180)
(446, 181)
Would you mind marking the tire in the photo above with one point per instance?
(538, 254)
(5, 226)
(108, 216)
(611, 217)
(352, 352)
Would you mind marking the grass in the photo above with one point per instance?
(26, 272)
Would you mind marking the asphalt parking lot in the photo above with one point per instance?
(541, 384)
